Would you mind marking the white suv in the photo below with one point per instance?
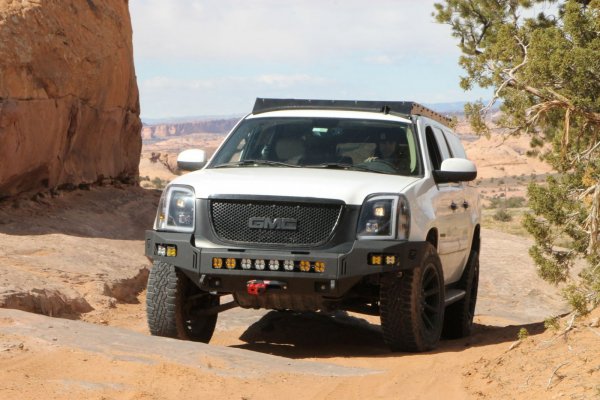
(323, 205)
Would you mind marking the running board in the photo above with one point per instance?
(454, 295)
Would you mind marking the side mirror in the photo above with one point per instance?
(455, 170)
(191, 159)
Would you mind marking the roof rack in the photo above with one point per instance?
(404, 108)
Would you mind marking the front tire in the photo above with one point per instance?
(173, 304)
(412, 306)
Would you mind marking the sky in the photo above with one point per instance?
(215, 57)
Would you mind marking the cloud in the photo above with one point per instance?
(284, 81)
(275, 80)
(275, 30)
(382, 59)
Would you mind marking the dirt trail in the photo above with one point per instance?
(80, 256)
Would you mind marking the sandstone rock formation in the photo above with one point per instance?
(69, 103)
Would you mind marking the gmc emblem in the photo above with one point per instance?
(281, 224)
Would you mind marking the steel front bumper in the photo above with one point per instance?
(344, 265)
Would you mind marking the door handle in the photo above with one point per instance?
(453, 206)
(465, 204)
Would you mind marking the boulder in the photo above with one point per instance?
(69, 102)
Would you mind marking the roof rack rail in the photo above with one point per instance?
(404, 108)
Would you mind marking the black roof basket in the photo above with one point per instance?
(404, 108)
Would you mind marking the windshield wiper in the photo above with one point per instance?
(245, 163)
(343, 166)
(332, 165)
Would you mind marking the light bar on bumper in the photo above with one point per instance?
(176, 210)
(260, 264)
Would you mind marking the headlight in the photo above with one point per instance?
(176, 210)
(384, 217)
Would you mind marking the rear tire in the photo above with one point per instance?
(173, 303)
(412, 306)
(458, 321)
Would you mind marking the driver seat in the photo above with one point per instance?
(289, 149)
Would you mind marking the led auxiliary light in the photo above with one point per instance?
(288, 265)
(164, 250)
(246, 263)
(319, 266)
(383, 259)
(304, 266)
(259, 264)
(171, 251)
(376, 260)
(274, 265)
(217, 263)
(230, 263)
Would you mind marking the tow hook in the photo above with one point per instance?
(258, 287)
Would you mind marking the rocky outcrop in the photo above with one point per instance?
(69, 103)
(161, 131)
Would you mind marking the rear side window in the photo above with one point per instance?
(458, 150)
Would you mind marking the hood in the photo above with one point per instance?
(352, 187)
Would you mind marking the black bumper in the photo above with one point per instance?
(345, 264)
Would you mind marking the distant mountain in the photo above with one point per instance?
(456, 107)
(169, 129)
(190, 118)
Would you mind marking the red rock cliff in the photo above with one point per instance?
(69, 104)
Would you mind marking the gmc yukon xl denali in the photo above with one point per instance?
(322, 205)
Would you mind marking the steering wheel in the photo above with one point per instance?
(379, 165)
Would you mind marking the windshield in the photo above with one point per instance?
(303, 142)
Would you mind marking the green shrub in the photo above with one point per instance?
(552, 323)
(502, 215)
(523, 334)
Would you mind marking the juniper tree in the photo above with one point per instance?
(544, 69)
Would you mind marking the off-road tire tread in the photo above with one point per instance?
(166, 291)
(161, 300)
(400, 319)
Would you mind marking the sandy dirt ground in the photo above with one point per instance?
(79, 255)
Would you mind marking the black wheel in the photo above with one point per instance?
(458, 320)
(412, 306)
(174, 305)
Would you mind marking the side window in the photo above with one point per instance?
(436, 154)
(457, 148)
(442, 143)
